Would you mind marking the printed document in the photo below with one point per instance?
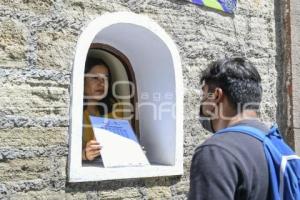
(120, 146)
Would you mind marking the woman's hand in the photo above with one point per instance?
(92, 150)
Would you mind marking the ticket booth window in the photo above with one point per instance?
(140, 51)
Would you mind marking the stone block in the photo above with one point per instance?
(55, 49)
(13, 43)
(94, 8)
(32, 6)
(122, 193)
(180, 188)
(24, 100)
(25, 169)
(192, 104)
(25, 185)
(41, 195)
(33, 137)
(257, 7)
(159, 192)
(31, 152)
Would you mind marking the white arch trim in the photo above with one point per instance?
(150, 50)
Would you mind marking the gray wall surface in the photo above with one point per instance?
(37, 46)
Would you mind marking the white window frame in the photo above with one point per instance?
(102, 30)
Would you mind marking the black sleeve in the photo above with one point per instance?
(214, 174)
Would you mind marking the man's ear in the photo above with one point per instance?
(219, 95)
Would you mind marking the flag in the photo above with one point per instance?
(227, 6)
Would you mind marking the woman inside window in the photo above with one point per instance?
(98, 101)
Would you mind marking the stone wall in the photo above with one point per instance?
(294, 9)
(37, 46)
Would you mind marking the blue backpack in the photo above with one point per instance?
(283, 163)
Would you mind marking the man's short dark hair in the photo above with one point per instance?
(239, 80)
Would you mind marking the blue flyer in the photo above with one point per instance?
(117, 126)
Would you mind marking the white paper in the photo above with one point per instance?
(119, 151)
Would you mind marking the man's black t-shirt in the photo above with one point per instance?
(230, 166)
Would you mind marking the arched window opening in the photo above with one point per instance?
(139, 52)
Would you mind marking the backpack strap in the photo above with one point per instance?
(258, 134)
(254, 132)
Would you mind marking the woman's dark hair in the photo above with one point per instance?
(239, 80)
(109, 100)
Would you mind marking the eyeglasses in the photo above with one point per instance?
(97, 77)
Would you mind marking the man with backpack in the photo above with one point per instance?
(245, 158)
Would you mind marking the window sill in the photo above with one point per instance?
(92, 172)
